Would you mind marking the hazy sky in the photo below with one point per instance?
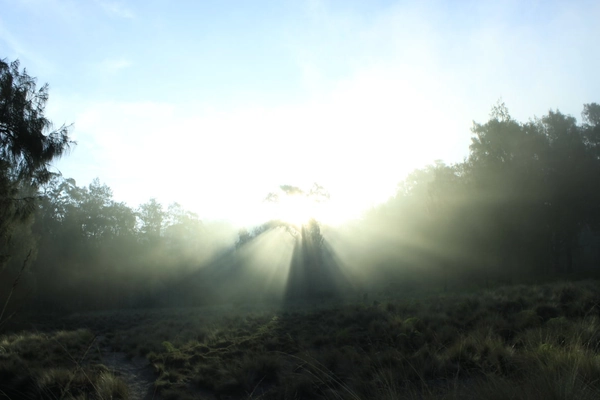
(214, 104)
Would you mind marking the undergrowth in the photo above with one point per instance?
(58, 365)
(517, 342)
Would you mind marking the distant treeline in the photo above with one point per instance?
(524, 203)
(92, 252)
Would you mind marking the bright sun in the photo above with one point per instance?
(296, 210)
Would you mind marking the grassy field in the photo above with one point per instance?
(513, 342)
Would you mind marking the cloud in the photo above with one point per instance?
(114, 65)
(411, 82)
(68, 11)
(22, 52)
(116, 9)
(357, 140)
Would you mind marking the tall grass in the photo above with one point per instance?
(518, 342)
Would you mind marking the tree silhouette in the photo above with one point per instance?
(27, 141)
(28, 145)
(151, 216)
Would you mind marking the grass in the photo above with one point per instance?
(517, 342)
(58, 365)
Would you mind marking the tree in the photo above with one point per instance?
(572, 197)
(307, 267)
(591, 127)
(309, 230)
(151, 215)
(183, 232)
(28, 144)
(591, 134)
(508, 170)
(539, 180)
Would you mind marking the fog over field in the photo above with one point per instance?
(213, 106)
(299, 200)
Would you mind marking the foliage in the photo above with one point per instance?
(521, 203)
(91, 245)
(28, 144)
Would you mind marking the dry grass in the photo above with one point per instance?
(58, 365)
(520, 342)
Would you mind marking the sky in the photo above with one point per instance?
(215, 104)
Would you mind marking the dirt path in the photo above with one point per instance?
(136, 372)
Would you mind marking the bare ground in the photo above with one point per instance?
(135, 372)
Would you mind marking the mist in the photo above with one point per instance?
(312, 201)
(521, 207)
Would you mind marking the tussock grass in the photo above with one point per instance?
(59, 365)
(518, 342)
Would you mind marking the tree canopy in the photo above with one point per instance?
(28, 142)
(28, 145)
